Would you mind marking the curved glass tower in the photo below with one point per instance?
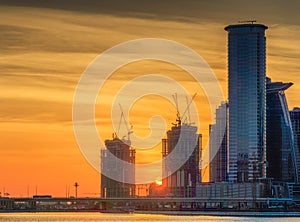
(281, 150)
(247, 102)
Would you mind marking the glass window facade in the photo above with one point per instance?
(247, 102)
(295, 120)
(281, 156)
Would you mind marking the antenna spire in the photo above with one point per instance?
(247, 21)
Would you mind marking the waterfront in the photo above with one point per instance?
(70, 217)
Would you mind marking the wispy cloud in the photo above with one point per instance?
(46, 45)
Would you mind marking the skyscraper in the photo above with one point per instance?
(295, 119)
(247, 101)
(182, 182)
(122, 151)
(218, 145)
(280, 146)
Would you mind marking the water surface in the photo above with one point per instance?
(90, 217)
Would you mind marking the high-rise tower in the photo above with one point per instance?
(182, 182)
(295, 119)
(218, 145)
(247, 101)
(280, 143)
(121, 150)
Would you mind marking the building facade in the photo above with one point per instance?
(183, 181)
(218, 149)
(112, 166)
(247, 102)
(295, 119)
(281, 156)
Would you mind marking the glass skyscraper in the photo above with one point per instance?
(295, 119)
(280, 145)
(218, 145)
(247, 102)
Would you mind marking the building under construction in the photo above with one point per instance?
(121, 150)
(183, 181)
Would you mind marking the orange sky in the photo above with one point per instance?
(45, 50)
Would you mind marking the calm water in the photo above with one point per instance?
(75, 217)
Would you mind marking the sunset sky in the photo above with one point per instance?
(46, 45)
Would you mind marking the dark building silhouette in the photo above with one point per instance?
(218, 145)
(246, 98)
(295, 119)
(281, 156)
(182, 183)
(122, 151)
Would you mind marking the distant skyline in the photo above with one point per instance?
(45, 46)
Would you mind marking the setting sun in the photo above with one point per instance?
(158, 182)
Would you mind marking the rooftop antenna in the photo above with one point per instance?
(247, 21)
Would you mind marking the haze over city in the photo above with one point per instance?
(47, 45)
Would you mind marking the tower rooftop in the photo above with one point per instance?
(278, 86)
(245, 25)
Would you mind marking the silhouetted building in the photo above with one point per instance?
(281, 156)
(112, 166)
(181, 183)
(218, 145)
(295, 119)
(247, 102)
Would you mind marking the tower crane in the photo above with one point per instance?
(187, 110)
(123, 119)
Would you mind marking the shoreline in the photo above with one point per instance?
(224, 213)
(176, 213)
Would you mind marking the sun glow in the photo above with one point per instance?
(158, 182)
